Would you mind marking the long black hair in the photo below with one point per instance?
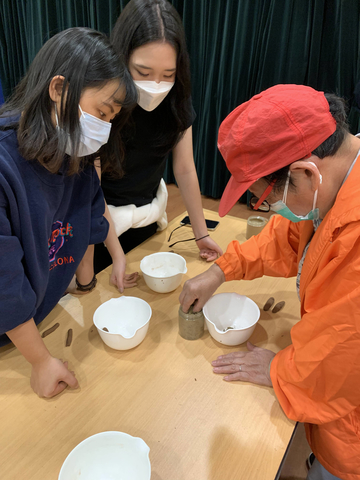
(146, 21)
(85, 58)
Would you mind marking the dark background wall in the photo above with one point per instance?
(237, 49)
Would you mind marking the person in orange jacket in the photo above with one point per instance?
(291, 146)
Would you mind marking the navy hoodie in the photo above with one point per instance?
(47, 222)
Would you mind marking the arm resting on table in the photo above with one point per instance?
(49, 375)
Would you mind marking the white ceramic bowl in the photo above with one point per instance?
(163, 271)
(225, 310)
(108, 455)
(126, 318)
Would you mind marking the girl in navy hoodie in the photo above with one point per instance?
(51, 206)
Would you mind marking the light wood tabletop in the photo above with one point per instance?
(197, 426)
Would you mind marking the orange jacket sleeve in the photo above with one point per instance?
(316, 379)
(273, 252)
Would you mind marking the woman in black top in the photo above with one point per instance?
(150, 36)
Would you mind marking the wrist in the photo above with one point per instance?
(84, 276)
(200, 232)
(120, 257)
(200, 238)
(40, 359)
(218, 273)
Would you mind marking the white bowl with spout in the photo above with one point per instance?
(163, 271)
(125, 320)
(108, 455)
(231, 318)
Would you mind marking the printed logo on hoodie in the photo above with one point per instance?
(57, 239)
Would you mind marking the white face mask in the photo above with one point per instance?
(94, 134)
(151, 94)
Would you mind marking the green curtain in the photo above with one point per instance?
(237, 49)
(25, 25)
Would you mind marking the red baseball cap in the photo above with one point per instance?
(275, 128)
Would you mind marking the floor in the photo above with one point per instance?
(294, 467)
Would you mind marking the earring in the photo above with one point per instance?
(56, 116)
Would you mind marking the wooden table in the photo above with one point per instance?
(197, 426)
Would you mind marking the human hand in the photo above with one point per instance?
(51, 376)
(130, 279)
(209, 250)
(199, 289)
(251, 366)
(118, 276)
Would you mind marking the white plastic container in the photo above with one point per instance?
(126, 319)
(163, 271)
(231, 318)
(108, 455)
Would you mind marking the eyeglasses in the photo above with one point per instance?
(260, 203)
(179, 241)
(263, 207)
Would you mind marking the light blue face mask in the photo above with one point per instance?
(281, 208)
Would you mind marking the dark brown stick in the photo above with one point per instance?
(69, 337)
(50, 330)
(279, 306)
(269, 303)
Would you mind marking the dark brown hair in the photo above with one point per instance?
(85, 59)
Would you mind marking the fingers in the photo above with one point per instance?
(207, 244)
(70, 379)
(219, 251)
(131, 276)
(197, 303)
(189, 300)
(67, 366)
(240, 376)
(131, 280)
(124, 281)
(209, 255)
(238, 372)
(130, 284)
(186, 299)
(230, 368)
(234, 372)
(229, 358)
(60, 387)
(118, 281)
(251, 347)
(190, 295)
